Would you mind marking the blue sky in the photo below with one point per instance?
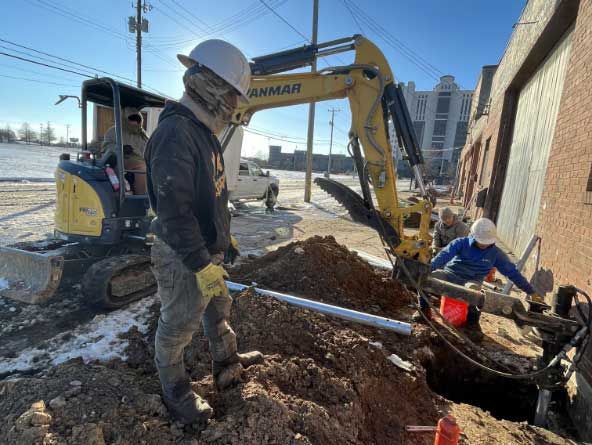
(454, 37)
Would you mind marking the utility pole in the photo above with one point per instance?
(137, 25)
(332, 110)
(311, 109)
(40, 134)
(67, 134)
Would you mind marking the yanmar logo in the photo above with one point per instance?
(279, 90)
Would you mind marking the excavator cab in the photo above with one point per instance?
(100, 227)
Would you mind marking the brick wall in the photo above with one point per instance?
(565, 220)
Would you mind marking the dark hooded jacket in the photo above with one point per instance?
(187, 186)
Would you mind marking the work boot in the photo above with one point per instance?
(230, 372)
(182, 402)
(185, 405)
(474, 332)
(417, 316)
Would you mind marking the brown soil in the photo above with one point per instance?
(322, 382)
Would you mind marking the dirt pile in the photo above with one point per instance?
(323, 382)
(322, 269)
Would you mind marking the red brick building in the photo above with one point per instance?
(527, 163)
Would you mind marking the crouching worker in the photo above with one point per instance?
(447, 229)
(187, 190)
(466, 261)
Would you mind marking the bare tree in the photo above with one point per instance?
(26, 133)
(49, 133)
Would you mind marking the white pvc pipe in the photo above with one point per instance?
(521, 262)
(347, 314)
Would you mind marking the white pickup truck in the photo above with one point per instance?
(245, 179)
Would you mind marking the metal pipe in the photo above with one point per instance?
(542, 408)
(419, 180)
(336, 50)
(346, 314)
(521, 262)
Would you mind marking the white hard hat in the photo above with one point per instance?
(225, 60)
(484, 232)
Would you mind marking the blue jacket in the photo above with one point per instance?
(465, 260)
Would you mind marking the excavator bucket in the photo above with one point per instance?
(359, 210)
(29, 276)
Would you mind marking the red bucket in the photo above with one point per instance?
(454, 311)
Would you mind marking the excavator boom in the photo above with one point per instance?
(368, 84)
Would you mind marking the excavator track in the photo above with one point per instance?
(116, 281)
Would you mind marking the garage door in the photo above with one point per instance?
(536, 114)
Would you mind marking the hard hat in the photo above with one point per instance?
(484, 232)
(225, 60)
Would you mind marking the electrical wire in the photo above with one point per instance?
(44, 64)
(38, 81)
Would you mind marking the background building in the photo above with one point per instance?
(297, 161)
(527, 163)
(440, 118)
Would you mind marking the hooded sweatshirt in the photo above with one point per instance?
(187, 186)
(133, 136)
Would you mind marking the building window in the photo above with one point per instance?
(419, 126)
(443, 106)
(421, 107)
(440, 127)
(588, 197)
(438, 145)
(445, 93)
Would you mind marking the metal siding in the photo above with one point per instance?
(536, 115)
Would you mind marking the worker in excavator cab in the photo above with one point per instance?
(449, 228)
(134, 141)
(187, 191)
(467, 261)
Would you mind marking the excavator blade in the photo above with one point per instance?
(29, 276)
(359, 211)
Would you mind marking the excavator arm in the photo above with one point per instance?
(368, 84)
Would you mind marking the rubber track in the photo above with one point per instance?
(96, 283)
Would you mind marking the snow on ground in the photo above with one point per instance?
(96, 340)
(29, 161)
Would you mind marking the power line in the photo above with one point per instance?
(284, 20)
(38, 81)
(354, 17)
(65, 60)
(44, 64)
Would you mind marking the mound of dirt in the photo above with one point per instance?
(324, 381)
(321, 269)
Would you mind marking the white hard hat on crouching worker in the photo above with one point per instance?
(484, 232)
(225, 60)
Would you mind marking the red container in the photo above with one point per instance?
(490, 278)
(447, 432)
(454, 311)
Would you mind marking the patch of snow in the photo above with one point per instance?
(3, 283)
(376, 344)
(96, 340)
(400, 363)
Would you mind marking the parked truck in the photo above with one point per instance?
(245, 179)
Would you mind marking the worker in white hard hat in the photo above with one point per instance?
(187, 191)
(467, 261)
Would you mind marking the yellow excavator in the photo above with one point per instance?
(101, 229)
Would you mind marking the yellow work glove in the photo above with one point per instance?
(537, 298)
(232, 252)
(210, 281)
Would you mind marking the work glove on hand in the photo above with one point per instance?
(537, 298)
(232, 252)
(210, 281)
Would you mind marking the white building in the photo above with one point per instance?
(440, 119)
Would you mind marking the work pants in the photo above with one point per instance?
(182, 309)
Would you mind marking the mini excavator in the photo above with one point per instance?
(101, 230)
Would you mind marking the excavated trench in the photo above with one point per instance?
(454, 378)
